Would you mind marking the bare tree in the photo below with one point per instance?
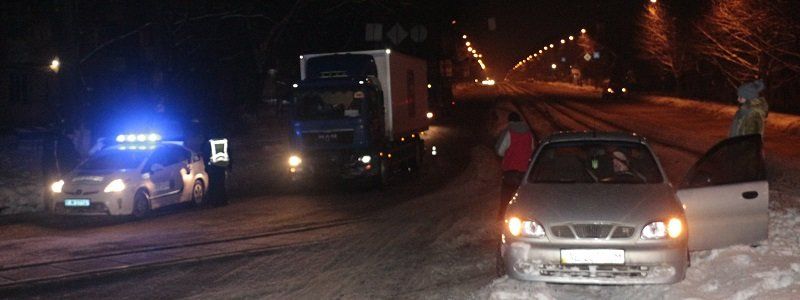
(659, 43)
(749, 39)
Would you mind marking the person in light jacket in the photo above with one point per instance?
(515, 146)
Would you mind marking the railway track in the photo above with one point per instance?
(25, 275)
(555, 114)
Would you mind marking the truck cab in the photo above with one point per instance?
(347, 124)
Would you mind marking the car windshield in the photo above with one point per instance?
(330, 103)
(595, 162)
(115, 159)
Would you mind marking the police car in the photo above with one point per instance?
(137, 174)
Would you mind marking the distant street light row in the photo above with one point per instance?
(529, 58)
(472, 50)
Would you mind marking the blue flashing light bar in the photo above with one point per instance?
(140, 138)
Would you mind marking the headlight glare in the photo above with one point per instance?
(532, 229)
(115, 185)
(514, 226)
(674, 228)
(57, 186)
(295, 161)
(654, 230)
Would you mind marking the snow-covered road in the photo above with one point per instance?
(427, 237)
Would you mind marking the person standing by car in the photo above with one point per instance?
(515, 146)
(753, 110)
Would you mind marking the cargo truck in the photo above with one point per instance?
(358, 115)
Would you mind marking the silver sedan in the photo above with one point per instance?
(596, 208)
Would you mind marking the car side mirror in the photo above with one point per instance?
(156, 167)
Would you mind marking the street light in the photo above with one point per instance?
(545, 47)
(563, 41)
(571, 37)
(551, 45)
(464, 36)
(583, 30)
(553, 66)
(468, 44)
(55, 65)
(653, 1)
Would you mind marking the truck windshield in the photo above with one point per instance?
(329, 103)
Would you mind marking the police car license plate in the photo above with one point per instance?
(592, 256)
(77, 202)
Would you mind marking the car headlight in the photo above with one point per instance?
(659, 230)
(115, 185)
(294, 161)
(610, 90)
(57, 186)
(525, 228)
(365, 159)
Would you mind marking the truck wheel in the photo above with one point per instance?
(419, 155)
(382, 178)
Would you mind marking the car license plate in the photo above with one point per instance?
(592, 256)
(77, 202)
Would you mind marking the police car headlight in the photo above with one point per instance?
(294, 161)
(115, 185)
(365, 159)
(57, 186)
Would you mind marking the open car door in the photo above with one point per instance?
(726, 195)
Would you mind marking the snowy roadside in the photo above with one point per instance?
(770, 271)
(787, 123)
(20, 191)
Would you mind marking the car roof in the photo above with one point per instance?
(575, 136)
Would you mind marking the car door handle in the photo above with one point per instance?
(750, 195)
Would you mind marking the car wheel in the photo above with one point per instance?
(141, 206)
(198, 193)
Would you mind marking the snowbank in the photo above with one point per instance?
(20, 188)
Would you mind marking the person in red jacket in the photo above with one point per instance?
(515, 146)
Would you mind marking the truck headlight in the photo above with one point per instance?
(526, 228)
(57, 186)
(659, 230)
(294, 161)
(365, 159)
(115, 185)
